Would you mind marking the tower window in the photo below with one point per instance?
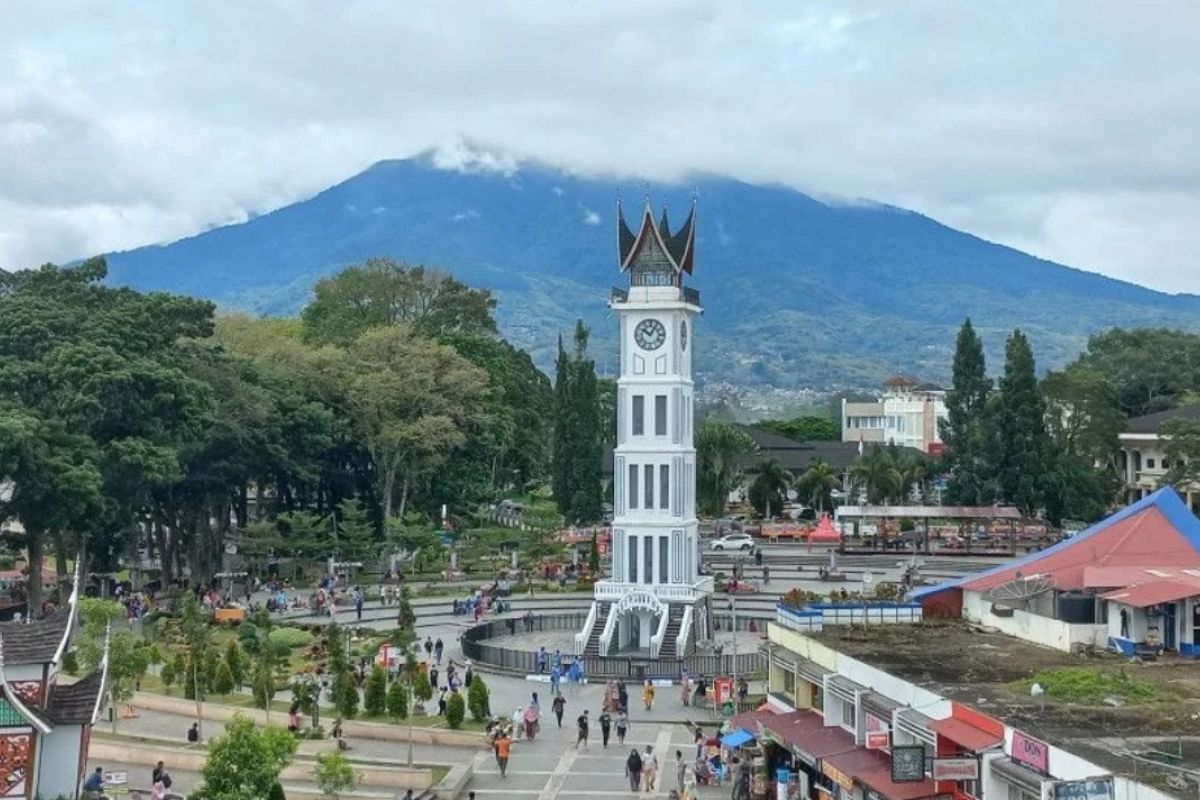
(663, 547)
(633, 486)
(648, 552)
(664, 486)
(660, 415)
(639, 415)
(649, 489)
(633, 559)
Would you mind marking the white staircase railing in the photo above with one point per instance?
(581, 638)
(685, 631)
(661, 633)
(606, 635)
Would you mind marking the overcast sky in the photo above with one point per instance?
(1070, 130)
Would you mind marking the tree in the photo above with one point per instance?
(804, 429)
(478, 699)
(817, 483)
(167, 676)
(355, 532)
(345, 694)
(422, 688)
(1151, 369)
(456, 710)
(720, 449)
(594, 553)
(875, 471)
(578, 434)
(194, 626)
(245, 762)
(383, 293)
(964, 429)
(236, 663)
(769, 485)
(224, 681)
(1182, 438)
(334, 774)
(375, 694)
(1083, 416)
(335, 643)
(397, 700)
(1023, 448)
(262, 685)
(412, 402)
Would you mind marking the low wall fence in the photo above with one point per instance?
(814, 617)
(476, 647)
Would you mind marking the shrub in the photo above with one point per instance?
(422, 688)
(1091, 685)
(167, 674)
(70, 663)
(289, 637)
(263, 686)
(456, 710)
(397, 700)
(375, 695)
(276, 792)
(334, 774)
(212, 662)
(478, 699)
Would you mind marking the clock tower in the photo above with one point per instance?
(655, 604)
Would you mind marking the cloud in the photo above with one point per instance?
(1065, 131)
(590, 217)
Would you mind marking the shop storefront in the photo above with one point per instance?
(961, 740)
(867, 775)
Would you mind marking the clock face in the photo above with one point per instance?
(683, 335)
(650, 334)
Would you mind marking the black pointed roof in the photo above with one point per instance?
(75, 704)
(35, 642)
(678, 247)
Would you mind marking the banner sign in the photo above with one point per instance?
(1030, 752)
(908, 763)
(956, 769)
(837, 776)
(878, 740)
(1100, 788)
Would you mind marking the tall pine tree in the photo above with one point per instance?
(964, 430)
(578, 433)
(1022, 452)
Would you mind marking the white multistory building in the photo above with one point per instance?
(907, 415)
(656, 603)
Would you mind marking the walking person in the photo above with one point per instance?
(555, 678)
(680, 771)
(685, 689)
(648, 695)
(650, 770)
(358, 604)
(622, 726)
(558, 706)
(766, 576)
(437, 650)
(633, 770)
(428, 648)
(583, 724)
(503, 747)
(605, 727)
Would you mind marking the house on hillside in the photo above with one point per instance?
(45, 723)
(1142, 461)
(907, 415)
(1130, 582)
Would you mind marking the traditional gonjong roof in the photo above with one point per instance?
(80, 702)
(678, 248)
(13, 710)
(37, 641)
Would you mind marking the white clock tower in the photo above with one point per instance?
(655, 604)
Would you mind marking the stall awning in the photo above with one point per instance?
(872, 768)
(965, 735)
(736, 739)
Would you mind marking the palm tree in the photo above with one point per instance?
(768, 489)
(817, 483)
(877, 473)
(914, 469)
(720, 446)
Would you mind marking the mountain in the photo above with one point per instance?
(797, 292)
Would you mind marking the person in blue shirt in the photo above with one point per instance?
(555, 676)
(94, 785)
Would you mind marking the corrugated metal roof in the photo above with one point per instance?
(1151, 594)
(931, 512)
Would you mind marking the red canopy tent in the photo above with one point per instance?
(825, 532)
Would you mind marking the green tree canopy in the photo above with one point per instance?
(721, 448)
(805, 429)
(245, 761)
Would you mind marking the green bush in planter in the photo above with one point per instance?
(456, 710)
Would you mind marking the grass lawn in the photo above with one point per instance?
(1093, 685)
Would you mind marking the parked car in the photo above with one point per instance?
(733, 541)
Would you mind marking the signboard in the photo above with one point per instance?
(956, 769)
(908, 763)
(1100, 788)
(1030, 752)
(875, 724)
(782, 778)
(878, 740)
(837, 776)
(722, 690)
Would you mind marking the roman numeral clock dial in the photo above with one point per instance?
(650, 334)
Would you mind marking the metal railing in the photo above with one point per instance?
(685, 630)
(656, 639)
(589, 622)
(476, 648)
